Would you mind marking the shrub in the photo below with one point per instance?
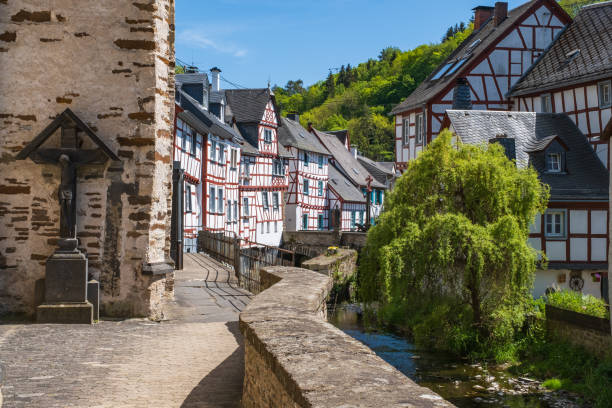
(451, 248)
(578, 302)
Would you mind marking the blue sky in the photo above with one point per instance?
(253, 41)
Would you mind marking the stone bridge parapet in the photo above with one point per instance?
(295, 358)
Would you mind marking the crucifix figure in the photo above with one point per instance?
(70, 157)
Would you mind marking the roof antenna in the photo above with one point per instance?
(268, 82)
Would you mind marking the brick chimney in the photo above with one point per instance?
(501, 12)
(481, 14)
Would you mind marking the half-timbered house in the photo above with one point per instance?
(573, 232)
(307, 204)
(574, 76)
(491, 60)
(213, 164)
(345, 161)
(263, 168)
(188, 152)
(347, 204)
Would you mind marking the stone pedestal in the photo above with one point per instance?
(66, 287)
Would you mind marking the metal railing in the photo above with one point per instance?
(244, 256)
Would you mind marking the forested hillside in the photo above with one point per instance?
(360, 98)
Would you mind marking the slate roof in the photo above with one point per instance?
(340, 134)
(344, 188)
(586, 177)
(293, 134)
(346, 161)
(192, 79)
(204, 121)
(217, 97)
(481, 40)
(379, 170)
(248, 105)
(591, 33)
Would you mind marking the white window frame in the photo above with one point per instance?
(555, 218)
(419, 129)
(406, 132)
(557, 167)
(267, 135)
(601, 90)
(546, 102)
(321, 160)
(275, 201)
(234, 158)
(221, 159)
(213, 150)
(320, 222)
(188, 203)
(212, 200)
(265, 200)
(305, 225)
(235, 210)
(220, 201)
(306, 187)
(320, 188)
(245, 203)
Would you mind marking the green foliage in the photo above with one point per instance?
(567, 367)
(553, 384)
(450, 252)
(577, 302)
(365, 94)
(572, 7)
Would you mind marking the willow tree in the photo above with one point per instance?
(455, 227)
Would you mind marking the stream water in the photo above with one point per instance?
(464, 384)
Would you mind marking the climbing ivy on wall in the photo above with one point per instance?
(449, 256)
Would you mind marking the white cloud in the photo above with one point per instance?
(203, 40)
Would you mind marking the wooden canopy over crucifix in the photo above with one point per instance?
(69, 155)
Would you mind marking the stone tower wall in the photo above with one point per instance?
(112, 63)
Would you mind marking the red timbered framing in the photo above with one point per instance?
(190, 159)
(490, 74)
(313, 204)
(260, 184)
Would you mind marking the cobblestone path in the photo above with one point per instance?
(192, 359)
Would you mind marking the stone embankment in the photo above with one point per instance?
(294, 358)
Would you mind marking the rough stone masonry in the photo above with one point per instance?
(112, 63)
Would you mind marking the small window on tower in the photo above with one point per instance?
(306, 185)
(553, 162)
(320, 157)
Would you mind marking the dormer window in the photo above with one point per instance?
(553, 162)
